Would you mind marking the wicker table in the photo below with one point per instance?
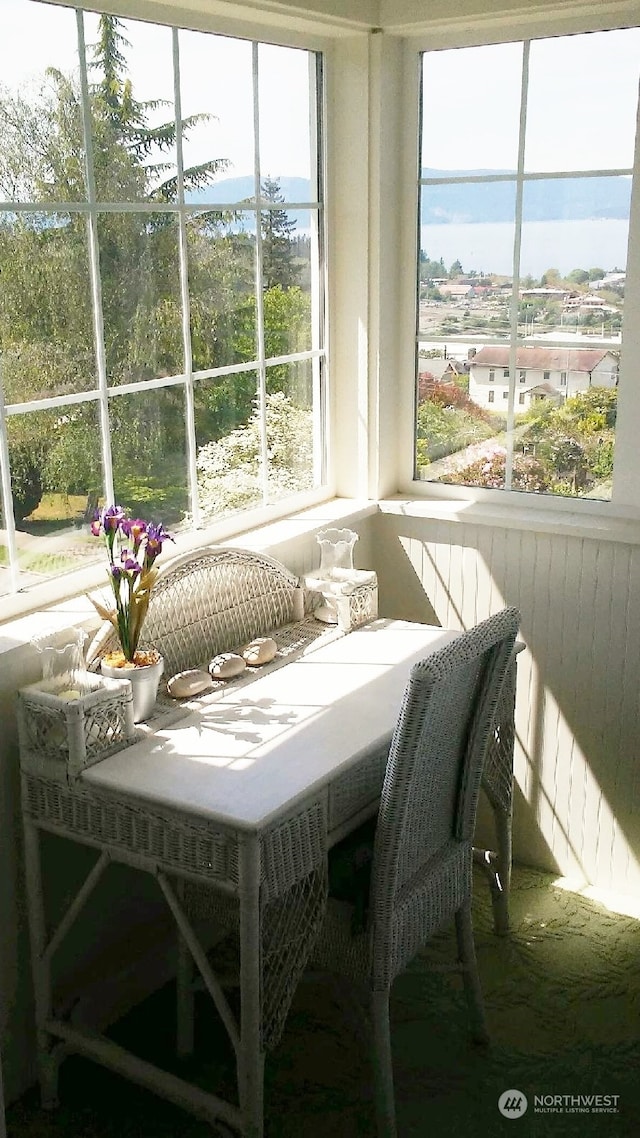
(240, 799)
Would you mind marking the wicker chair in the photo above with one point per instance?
(395, 882)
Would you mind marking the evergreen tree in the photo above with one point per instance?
(278, 261)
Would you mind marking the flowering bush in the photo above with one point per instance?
(132, 548)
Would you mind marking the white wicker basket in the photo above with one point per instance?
(350, 595)
(359, 607)
(60, 735)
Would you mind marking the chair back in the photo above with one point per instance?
(432, 782)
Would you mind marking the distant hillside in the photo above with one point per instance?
(230, 191)
(568, 199)
(559, 199)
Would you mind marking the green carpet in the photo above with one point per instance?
(563, 1004)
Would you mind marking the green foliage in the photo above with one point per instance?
(566, 450)
(230, 471)
(490, 472)
(443, 430)
(46, 324)
(278, 267)
(578, 276)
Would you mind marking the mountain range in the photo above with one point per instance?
(545, 199)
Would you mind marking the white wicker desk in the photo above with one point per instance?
(243, 795)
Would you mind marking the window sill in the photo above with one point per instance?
(56, 611)
(565, 522)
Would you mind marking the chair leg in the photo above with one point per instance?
(383, 1066)
(471, 976)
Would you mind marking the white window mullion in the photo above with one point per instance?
(94, 268)
(316, 235)
(517, 246)
(262, 371)
(190, 420)
(8, 519)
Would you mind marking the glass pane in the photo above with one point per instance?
(466, 266)
(583, 91)
(222, 290)
(56, 475)
(46, 330)
(575, 232)
(287, 119)
(42, 153)
(471, 109)
(286, 274)
(453, 431)
(139, 272)
(565, 409)
(216, 86)
(290, 433)
(228, 438)
(148, 447)
(132, 109)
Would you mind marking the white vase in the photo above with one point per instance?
(144, 680)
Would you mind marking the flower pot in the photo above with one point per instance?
(144, 679)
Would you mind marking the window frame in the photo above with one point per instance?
(256, 33)
(446, 34)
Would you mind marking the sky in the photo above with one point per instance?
(215, 79)
(581, 110)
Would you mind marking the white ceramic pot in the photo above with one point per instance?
(144, 680)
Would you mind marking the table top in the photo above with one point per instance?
(248, 756)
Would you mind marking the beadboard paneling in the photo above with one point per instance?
(577, 808)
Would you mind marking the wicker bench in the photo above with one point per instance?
(217, 599)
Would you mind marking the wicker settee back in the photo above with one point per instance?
(214, 599)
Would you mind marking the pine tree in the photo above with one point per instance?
(278, 261)
(121, 120)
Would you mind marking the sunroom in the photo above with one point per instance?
(232, 238)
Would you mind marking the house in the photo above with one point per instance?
(541, 373)
(444, 555)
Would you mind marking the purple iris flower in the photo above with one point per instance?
(129, 562)
(134, 529)
(156, 536)
(112, 517)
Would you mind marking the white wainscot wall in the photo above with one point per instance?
(577, 799)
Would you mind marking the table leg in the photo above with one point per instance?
(48, 1060)
(3, 1128)
(251, 1055)
(184, 992)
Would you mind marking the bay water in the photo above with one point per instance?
(562, 245)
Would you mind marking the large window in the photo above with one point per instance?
(526, 160)
(161, 267)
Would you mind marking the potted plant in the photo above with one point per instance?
(132, 549)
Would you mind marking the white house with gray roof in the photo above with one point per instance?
(541, 373)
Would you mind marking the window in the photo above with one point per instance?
(521, 397)
(491, 396)
(505, 373)
(505, 394)
(563, 379)
(546, 213)
(492, 376)
(161, 309)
